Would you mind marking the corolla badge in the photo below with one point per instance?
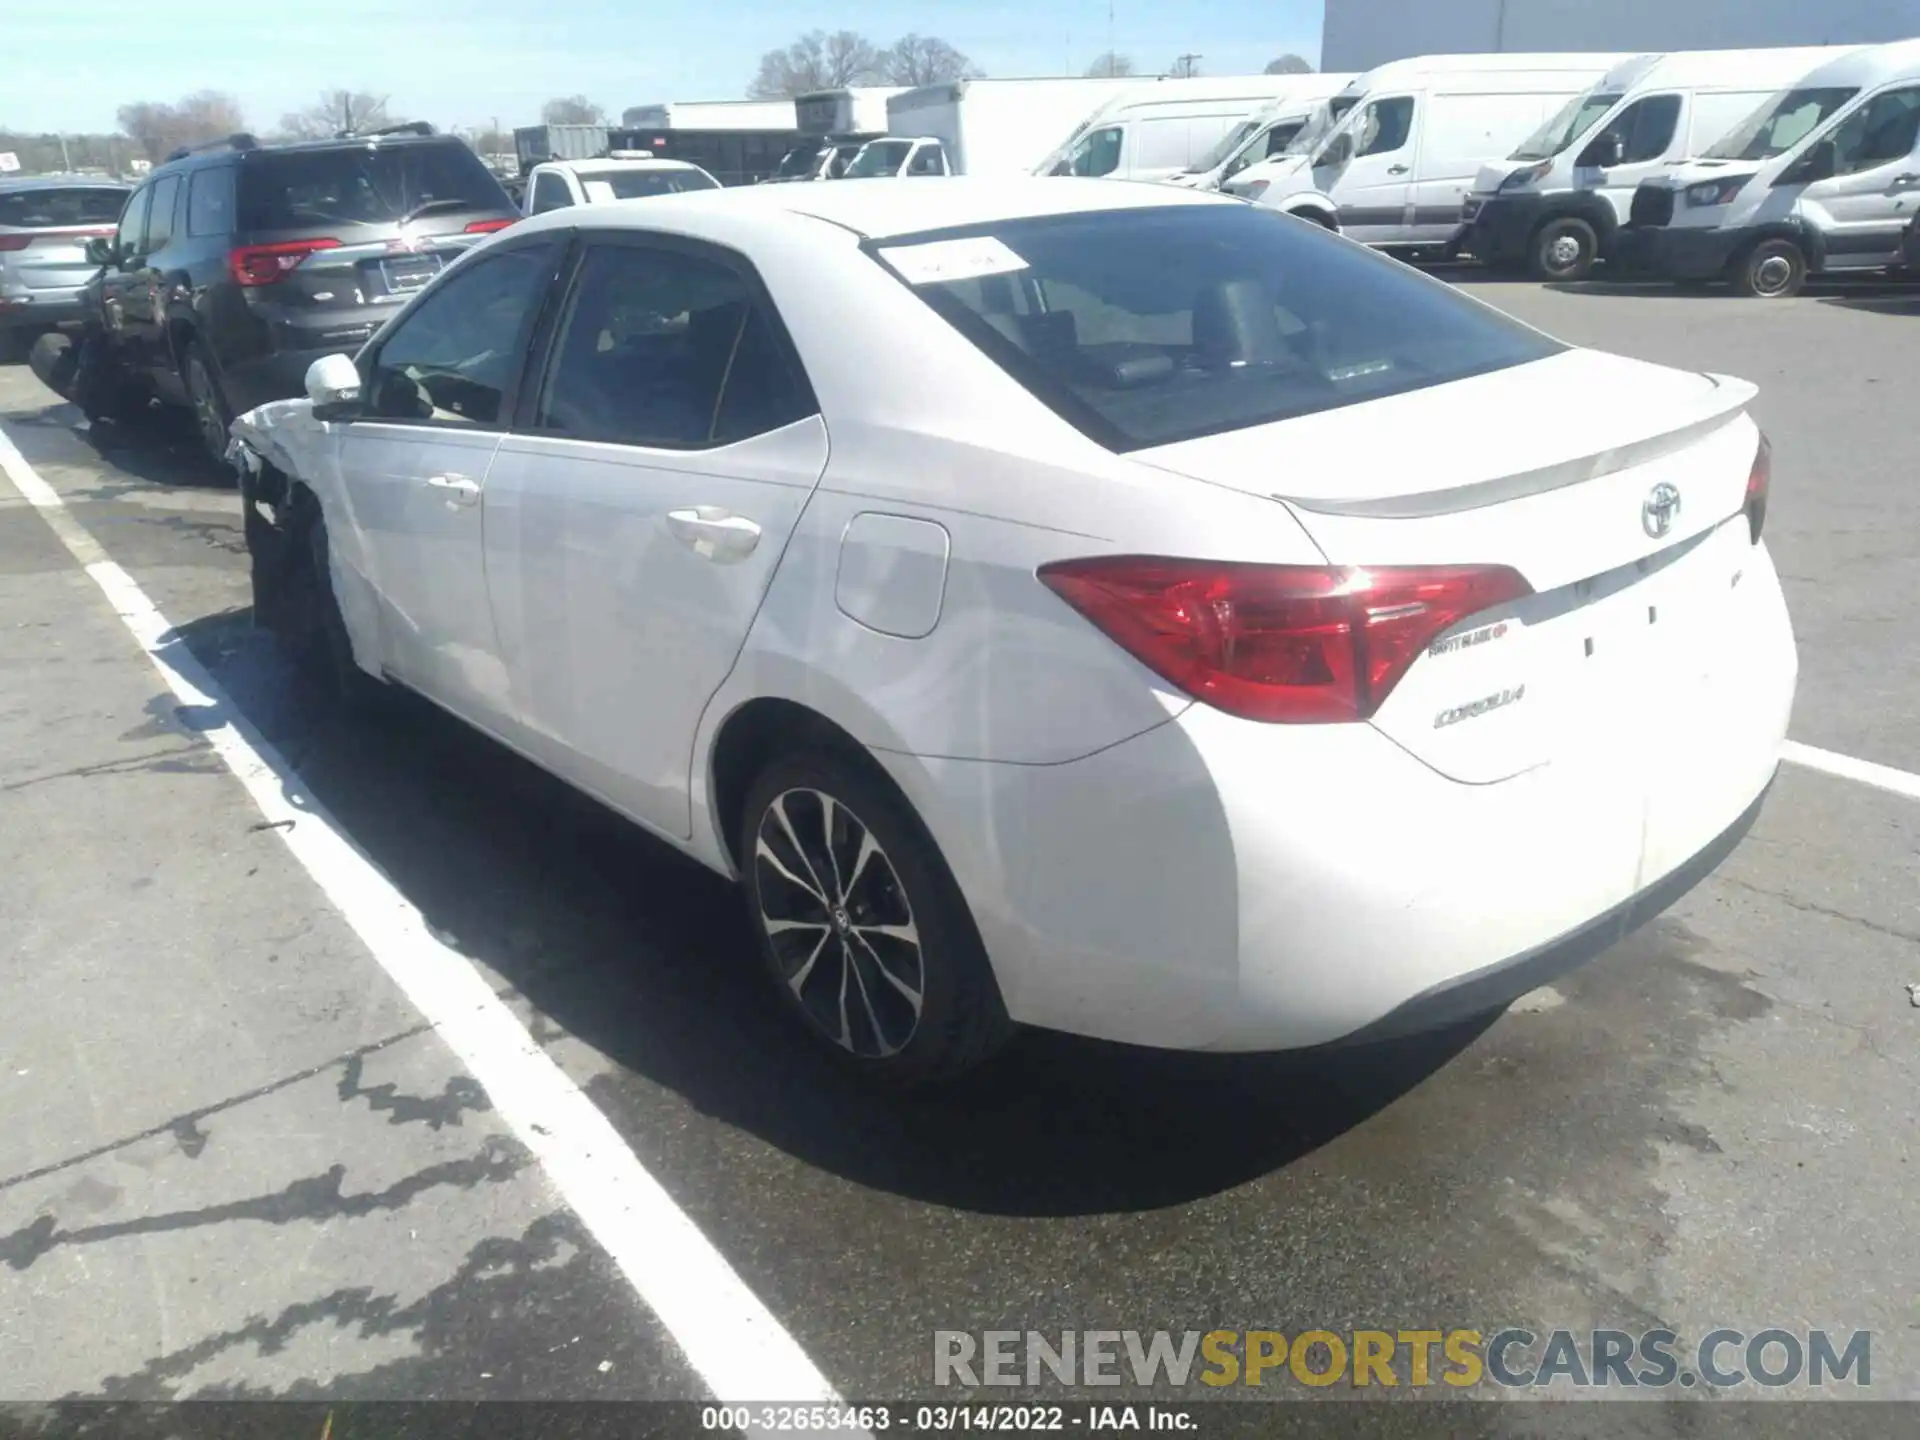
(1661, 509)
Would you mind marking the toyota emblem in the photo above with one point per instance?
(1661, 509)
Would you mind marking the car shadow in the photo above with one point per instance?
(158, 446)
(617, 940)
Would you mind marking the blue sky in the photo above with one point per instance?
(69, 64)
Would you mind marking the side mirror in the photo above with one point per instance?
(333, 385)
(1819, 163)
(100, 250)
(1603, 154)
(1336, 154)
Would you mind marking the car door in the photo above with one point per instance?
(129, 242)
(141, 301)
(1872, 194)
(1368, 168)
(1647, 131)
(637, 512)
(413, 465)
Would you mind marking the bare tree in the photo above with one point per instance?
(816, 61)
(572, 110)
(1289, 65)
(159, 129)
(924, 60)
(1110, 66)
(338, 110)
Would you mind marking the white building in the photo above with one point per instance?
(1360, 34)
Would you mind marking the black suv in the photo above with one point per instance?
(237, 264)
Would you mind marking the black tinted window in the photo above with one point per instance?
(1647, 128)
(926, 161)
(166, 194)
(1144, 327)
(210, 202)
(58, 207)
(1879, 132)
(451, 358)
(363, 185)
(666, 349)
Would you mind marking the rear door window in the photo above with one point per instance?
(668, 350)
(60, 207)
(371, 184)
(1145, 327)
(210, 202)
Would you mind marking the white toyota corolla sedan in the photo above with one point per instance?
(1102, 607)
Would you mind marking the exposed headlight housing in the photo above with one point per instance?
(1521, 179)
(1716, 192)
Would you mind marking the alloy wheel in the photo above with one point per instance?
(839, 923)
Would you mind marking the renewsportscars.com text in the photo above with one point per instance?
(1770, 1358)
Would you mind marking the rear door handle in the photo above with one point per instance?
(714, 533)
(459, 489)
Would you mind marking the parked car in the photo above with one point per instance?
(236, 264)
(45, 223)
(1555, 205)
(1208, 661)
(1395, 170)
(560, 183)
(1821, 179)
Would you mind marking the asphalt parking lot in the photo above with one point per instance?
(227, 1127)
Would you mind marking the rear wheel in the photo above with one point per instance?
(1563, 250)
(862, 927)
(212, 417)
(1774, 269)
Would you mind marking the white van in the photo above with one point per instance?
(1824, 177)
(1265, 133)
(1161, 128)
(1395, 171)
(1555, 204)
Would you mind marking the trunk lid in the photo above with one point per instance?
(1616, 488)
(56, 259)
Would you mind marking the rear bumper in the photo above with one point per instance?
(1217, 884)
(1682, 253)
(21, 308)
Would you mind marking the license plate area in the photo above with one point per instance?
(401, 275)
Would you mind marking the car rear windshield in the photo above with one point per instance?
(363, 185)
(59, 206)
(633, 184)
(1150, 326)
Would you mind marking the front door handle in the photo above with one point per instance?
(1396, 169)
(459, 489)
(1907, 179)
(714, 533)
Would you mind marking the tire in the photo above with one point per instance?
(53, 359)
(212, 416)
(1773, 269)
(321, 644)
(898, 921)
(1563, 250)
(99, 389)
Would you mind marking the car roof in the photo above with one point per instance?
(882, 208)
(625, 162)
(61, 182)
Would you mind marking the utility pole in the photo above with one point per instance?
(1183, 65)
(1109, 27)
(1500, 28)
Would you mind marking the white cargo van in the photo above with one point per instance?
(980, 127)
(1824, 177)
(1161, 128)
(1555, 204)
(1265, 133)
(1396, 169)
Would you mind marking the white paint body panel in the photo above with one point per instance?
(1141, 867)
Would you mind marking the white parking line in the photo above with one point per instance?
(1881, 777)
(730, 1339)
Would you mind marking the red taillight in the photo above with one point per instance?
(1759, 483)
(15, 242)
(1286, 643)
(487, 227)
(266, 264)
